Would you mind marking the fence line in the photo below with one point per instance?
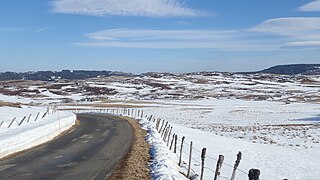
(27, 119)
(181, 147)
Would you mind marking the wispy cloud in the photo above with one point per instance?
(151, 8)
(175, 39)
(312, 6)
(297, 26)
(23, 29)
(272, 34)
(305, 44)
(41, 29)
(301, 31)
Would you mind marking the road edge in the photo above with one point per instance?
(76, 124)
(135, 164)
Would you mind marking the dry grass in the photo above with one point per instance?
(134, 166)
(106, 105)
(10, 104)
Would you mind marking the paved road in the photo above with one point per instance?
(88, 152)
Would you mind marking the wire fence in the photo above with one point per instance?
(190, 157)
(29, 118)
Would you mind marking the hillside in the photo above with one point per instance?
(293, 69)
(64, 74)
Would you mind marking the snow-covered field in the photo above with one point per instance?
(263, 122)
(273, 120)
(275, 137)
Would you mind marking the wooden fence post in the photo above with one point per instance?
(161, 126)
(254, 174)
(190, 158)
(180, 157)
(163, 130)
(166, 133)
(29, 118)
(1, 123)
(172, 141)
(168, 140)
(141, 114)
(175, 144)
(218, 167)
(44, 115)
(203, 156)
(236, 165)
(22, 120)
(37, 116)
(157, 124)
(12, 122)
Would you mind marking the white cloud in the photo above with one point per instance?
(154, 34)
(301, 32)
(273, 34)
(290, 26)
(313, 6)
(41, 29)
(22, 29)
(152, 8)
(175, 39)
(303, 44)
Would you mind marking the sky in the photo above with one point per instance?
(157, 35)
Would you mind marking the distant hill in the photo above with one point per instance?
(293, 69)
(54, 75)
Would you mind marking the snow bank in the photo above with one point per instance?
(33, 133)
(163, 162)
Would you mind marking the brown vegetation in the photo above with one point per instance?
(134, 166)
(10, 104)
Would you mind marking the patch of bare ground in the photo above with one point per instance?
(10, 104)
(134, 166)
(106, 105)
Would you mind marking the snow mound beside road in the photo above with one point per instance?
(18, 138)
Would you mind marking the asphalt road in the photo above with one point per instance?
(89, 151)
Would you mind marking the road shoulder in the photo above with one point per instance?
(135, 165)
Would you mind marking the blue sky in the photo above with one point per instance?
(158, 35)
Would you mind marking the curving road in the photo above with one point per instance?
(89, 151)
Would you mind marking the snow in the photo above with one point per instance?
(32, 133)
(163, 162)
(255, 121)
(275, 162)
(14, 99)
(272, 120)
